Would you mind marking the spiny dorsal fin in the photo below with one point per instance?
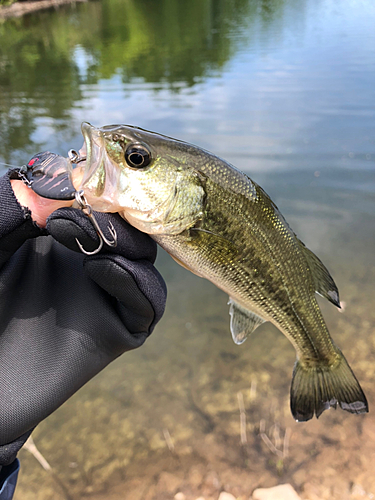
(242, 321)
(323, 281)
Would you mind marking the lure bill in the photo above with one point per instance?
(218, 223)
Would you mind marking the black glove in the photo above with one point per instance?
(63, 315)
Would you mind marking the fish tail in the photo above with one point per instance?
(317, 388)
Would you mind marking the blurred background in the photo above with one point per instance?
(284, 90)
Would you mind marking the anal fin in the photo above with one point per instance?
(242, 321)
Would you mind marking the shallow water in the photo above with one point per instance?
(285, 91)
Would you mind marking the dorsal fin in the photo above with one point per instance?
(242, 321)
(323, 281)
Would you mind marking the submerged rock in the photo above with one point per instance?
(226, 496)
(179, 496)
(280, 492)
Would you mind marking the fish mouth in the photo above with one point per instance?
(94, 151)
(96, 173)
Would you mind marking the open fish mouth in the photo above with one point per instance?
(96, 173)
(92, 157)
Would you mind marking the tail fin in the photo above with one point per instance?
(317, 388)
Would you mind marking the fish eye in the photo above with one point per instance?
(137, 156)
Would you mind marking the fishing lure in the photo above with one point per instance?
(50, 175)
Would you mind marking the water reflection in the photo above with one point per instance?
(168, 41)
(38, 79)
(46, 60)
(265, 84)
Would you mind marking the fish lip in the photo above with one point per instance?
(86, 129)
(93, 144)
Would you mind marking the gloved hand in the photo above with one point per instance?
(63, 315)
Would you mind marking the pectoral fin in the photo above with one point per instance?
(217, 246)
(242, 321)
(213, 242)
(323, 281)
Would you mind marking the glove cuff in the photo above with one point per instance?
(8, 452)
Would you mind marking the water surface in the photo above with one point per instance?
(283, 89)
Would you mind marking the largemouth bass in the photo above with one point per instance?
(218, 223)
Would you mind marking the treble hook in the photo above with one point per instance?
(87, 210)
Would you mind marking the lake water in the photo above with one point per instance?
(284, 90)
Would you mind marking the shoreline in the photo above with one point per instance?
(18, 9)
